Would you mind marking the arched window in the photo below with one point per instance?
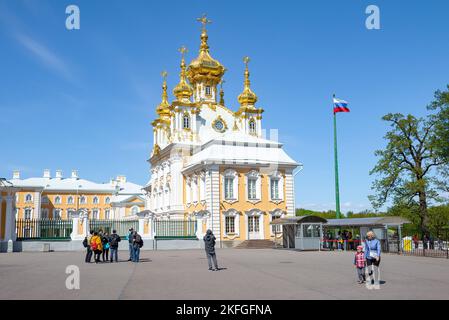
(134, 210)
(95, 200)
(57, 214)
(28, 198)
(83, 200)
(95, 214)
(70, 214)
(58, 200)
(107, 200)
(186, 121)
(70, 200)
(107, 214)
(252, 126)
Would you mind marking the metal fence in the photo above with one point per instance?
(438, 248)
(43, 229)
(175, 229)
(121, 226)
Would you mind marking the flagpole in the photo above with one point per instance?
(337, 191)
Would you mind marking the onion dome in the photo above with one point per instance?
(183, 90)
(204, 67)
(247, 97)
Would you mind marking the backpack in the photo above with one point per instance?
(85, 244)
(114, 241)
(139, 240)
(94, 245)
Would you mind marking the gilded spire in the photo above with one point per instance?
(247, 97)
(204, 21)
(163, 108)
(183, 91)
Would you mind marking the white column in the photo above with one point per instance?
(37, 205)
(213, 199)
(1, 214)
(75, 229)
(85, 221)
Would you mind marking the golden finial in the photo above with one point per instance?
(222, 92)
(162, 109)
(183, 91)
(247, 97)
(204, 21)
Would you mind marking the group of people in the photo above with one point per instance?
(368, 257)
(99, 243)
(428, 242)
(343, 240)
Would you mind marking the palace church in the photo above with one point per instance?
(210, 163)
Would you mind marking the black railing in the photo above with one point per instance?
(43, 229)
(175, 229)
(121, 226)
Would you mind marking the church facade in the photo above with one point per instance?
(210, 163)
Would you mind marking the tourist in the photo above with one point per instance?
(88, 248)
(415, 240)
(113, 243)
(360, 263)
(209, 246)
(372, 255)
(105, 242)
(137, 244)
(130, 243)
(96, 246)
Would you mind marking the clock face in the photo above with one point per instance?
(219, 125)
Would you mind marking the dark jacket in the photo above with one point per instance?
(116, 238)
(131, 237)
(209, 242)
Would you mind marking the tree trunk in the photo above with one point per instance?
(423, 213)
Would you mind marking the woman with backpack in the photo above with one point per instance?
(97, 246)
(106, 246)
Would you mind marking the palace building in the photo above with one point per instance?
(212, 164)
(58, 197)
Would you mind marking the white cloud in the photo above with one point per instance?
(44, 55)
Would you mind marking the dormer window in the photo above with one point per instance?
(186, 122)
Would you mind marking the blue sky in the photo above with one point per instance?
(84, 99)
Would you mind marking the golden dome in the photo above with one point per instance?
(183, 91)
(247, 97)
(204, 67)
(163, 108)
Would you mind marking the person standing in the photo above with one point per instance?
(209, 246)
(113, 243)
(105, 242)
(96, 246)
(130, 243)
(372, 256)
(88, 247)
(359, 263)
(137, 244)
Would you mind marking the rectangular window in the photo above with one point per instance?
(275, 228)
(252, 195)
(208, 90)
(229, 188)
(275, 189)
(28, 214)
(230, 224)
(107, 214)
(95, 214)
(57, 214)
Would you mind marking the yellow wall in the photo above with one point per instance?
(3, 218)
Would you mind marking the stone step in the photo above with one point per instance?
(256, 244)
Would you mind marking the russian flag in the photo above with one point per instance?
(340, 106)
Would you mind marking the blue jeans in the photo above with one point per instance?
(131, 251)
(114, 253)
(136, 253)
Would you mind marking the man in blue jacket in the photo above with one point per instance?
(372, 255)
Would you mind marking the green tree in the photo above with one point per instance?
(405, 168)
(441, 119)
(439, 220)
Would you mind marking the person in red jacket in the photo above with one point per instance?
(360, 264)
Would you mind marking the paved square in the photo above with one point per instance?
(249, 274)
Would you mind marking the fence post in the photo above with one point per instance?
(77, 227)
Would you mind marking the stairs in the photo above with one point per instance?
(256, 244)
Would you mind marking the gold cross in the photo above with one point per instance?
(204, 21)
(183, 51)
(164, 75)
(246, 60)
